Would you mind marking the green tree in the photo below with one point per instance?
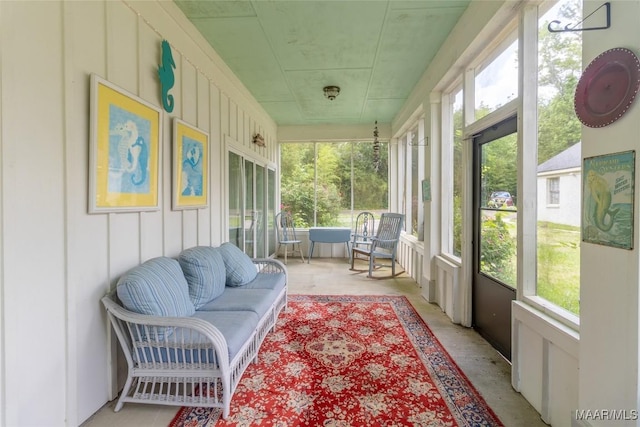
(499, 166)
(317, 179)
(498, 249)
(559, 69)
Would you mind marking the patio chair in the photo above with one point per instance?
(286, 233)
(384, 244)
(363, 231)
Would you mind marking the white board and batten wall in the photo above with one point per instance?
(56, 260)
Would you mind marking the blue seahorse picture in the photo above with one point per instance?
(608, 194)
(191, 168)
(129, 137)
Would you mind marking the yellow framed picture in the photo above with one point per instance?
(190, 166)
(124, 151)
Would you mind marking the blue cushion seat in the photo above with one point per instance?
(273, 281)
(205, 272)
(236, 327)
(258, 301)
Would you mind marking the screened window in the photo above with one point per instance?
(415, 181)
(558, 232)
(496, 83)
(456, 201)
(328, 184)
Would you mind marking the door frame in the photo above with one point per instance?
(500, 340)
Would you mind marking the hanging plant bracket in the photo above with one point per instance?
(574, 28)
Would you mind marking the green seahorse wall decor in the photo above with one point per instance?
(167, 80)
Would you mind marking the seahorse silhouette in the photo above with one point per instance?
(128, 132)
(602, 197)
(165, 73)
(142, 160)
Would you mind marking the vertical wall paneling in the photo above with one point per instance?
(122, 46)
(71, 341)
(189, 88)
(225, 133)
(609, 277)
(188, 85)
(243, 134)
(88, 270)
(3, 420)
(122, 70)
(151, 230)
(217, 205)
(173, 230)
(203, 122)
(123, 233)
(233, 120)
(33, 196)
(48, 51)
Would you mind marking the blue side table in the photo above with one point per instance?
(329, 235)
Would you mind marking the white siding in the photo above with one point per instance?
(568, 210)
(34, 281)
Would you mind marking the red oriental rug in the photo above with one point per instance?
(350, 361)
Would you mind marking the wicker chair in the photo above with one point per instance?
(384, 244)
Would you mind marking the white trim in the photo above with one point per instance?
(553, 311)
(558, 333)
(452, 272)
(560, 172)
(509, 109)
(527, 233)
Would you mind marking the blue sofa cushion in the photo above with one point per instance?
(156, 287)
(240, 269)
(235, 326)
(259, 301)
(205, 272)
(273, 281)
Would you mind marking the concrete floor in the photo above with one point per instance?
(487, 369)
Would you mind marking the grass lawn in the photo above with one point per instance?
(559, 265)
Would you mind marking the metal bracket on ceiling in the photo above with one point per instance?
(422, 142)
(572, 27)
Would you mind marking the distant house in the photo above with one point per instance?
(559, 187)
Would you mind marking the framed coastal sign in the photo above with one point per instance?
(190, 166)
(124, 150)
(607, 199)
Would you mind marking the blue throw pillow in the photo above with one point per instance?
(205, 272)
(240, 269)
(156, 287)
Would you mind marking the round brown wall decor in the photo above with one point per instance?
(607, 87)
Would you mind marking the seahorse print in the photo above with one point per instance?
(165, 73)
(141, 153)
(601, 196)
(128, 132)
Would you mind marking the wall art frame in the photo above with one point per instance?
(608, 199)
(190, 166)
(124, 151)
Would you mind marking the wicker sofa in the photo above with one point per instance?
(190, 326)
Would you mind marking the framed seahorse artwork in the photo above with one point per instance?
(608, 199)
(124, 150)
(190, 166)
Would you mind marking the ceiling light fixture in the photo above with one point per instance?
(331, 92)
